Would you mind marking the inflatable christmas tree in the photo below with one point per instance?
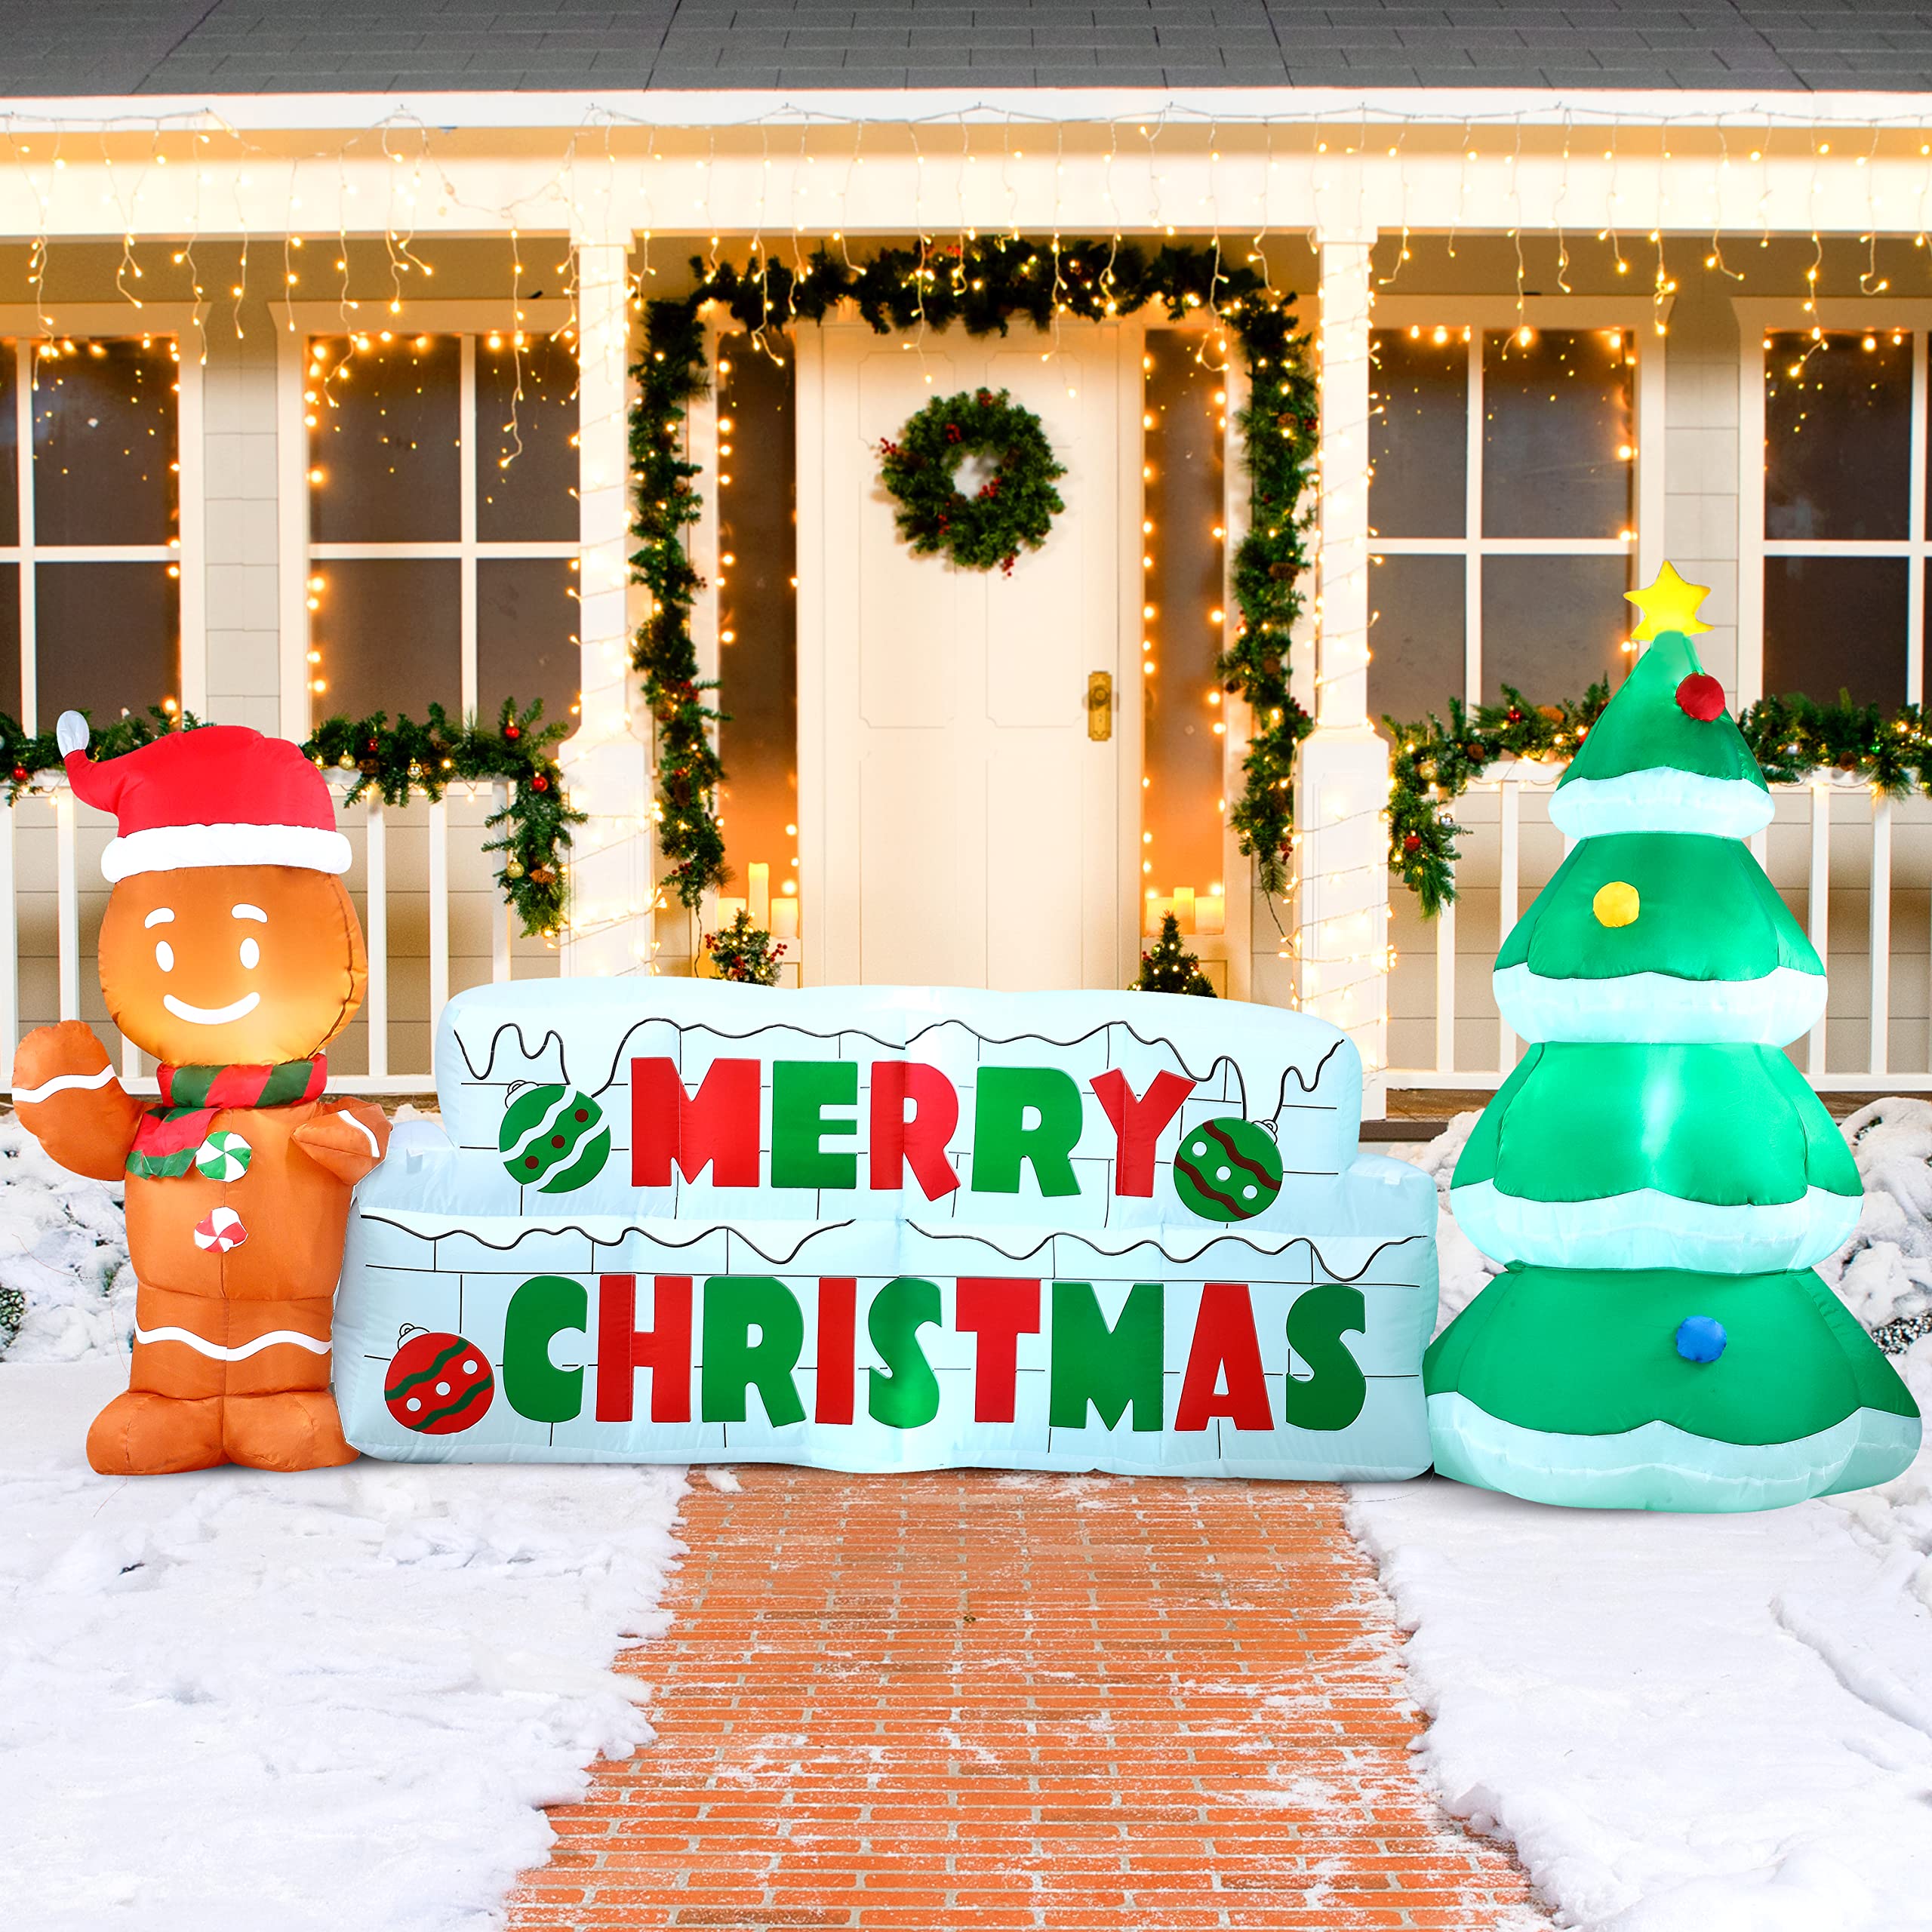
(1656, 1176)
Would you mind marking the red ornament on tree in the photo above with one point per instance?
(513, 730)
(1701, 697)
(1412, 841)
(540, 784)
(21, 774)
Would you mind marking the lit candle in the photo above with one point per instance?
(1211, 913)
(1184, 907)
(785, 919)
(759, 879)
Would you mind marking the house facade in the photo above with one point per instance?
(324, 405)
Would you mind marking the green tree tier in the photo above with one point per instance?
(1638, 1156)
(1573, 1385)
(1659, 936)
(1656, 1176)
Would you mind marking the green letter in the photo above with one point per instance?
(545, 1307)
(1332, 1395)
(906, 1392)
(1001, 1138)
(1109, 1367)
(733, 1305)
(801, 1090)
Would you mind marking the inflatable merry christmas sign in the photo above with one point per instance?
(885, 1228)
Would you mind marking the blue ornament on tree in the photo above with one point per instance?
(1700, 1338)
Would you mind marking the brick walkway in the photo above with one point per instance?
(982, 1701)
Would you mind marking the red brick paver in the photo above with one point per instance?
(989, 1702)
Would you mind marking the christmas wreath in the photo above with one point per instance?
(1015, 505)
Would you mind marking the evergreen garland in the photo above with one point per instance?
(1790, 737)
(396, 761)
(984, 285)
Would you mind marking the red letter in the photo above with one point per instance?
(999, 1312)
(837, 1304)
(718, 1123)
(1137, 1123)
(920, 1141)
(665, 1349)
(1224, 1339)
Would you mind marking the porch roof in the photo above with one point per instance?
(176, 47)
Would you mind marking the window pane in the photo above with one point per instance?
(758, 611)
(1838, 437)
(383, 456)
(1419, 432)
(526, 444)
(1415, 664)
(1834, 624)
(104, 444)
(105, 638)
(1553, 627)
(10, 641)
(389, 630)
(1558, 435)
(10, 445)
(527, 637)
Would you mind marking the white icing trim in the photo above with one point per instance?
(1661, 1009)
(216, 1352)
(1647, 1228)
(362, 1128)
(1658, 1466)
(167, 848)
(62, 1083)
(1660, 799)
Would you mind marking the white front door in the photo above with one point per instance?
(958, 825)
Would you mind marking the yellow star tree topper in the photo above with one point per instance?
(1669, 604)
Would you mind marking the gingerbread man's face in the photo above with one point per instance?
(229, 965)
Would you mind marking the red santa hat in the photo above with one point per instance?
(221, 794)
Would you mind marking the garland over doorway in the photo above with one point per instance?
(984, 285)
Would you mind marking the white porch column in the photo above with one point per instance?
(1342, 775)
(607, 765)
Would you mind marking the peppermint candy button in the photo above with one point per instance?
(223, 1157)
(220, 1229)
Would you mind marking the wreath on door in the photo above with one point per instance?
(1017, 503)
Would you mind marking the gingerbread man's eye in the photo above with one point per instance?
(251, 953)
(164, 955)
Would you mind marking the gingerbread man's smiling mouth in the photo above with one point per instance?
(210, 1016)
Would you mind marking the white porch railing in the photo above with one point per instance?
(1855, 868)
(425, 889)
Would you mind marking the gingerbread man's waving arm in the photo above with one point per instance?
(348, 1137)
(69, 1100)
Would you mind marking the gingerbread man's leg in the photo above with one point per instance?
(169, 1417)
(278, 1413)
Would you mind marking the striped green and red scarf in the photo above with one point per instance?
(166, 1142)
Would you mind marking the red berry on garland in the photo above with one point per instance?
(1412, 842)
(1516, 716)
(952, 432)
(1700, 697)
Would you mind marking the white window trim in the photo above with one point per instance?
(1483, 314)
(295, 322)
(114, 322)
(1760, 316)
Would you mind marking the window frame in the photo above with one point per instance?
(1500, 314)
(1761, 315)
(295, 322)
(22, 326)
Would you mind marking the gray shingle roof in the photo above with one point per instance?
(204, 47)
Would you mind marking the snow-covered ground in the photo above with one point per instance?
(1691, 1723)
(232, 1701)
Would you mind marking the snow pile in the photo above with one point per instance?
(65, 1284)
(1690, 1723)
(1463, 1266)
(231, 1701)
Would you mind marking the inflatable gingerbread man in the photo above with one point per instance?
(230, 952)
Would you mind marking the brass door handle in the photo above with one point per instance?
(1099, 706)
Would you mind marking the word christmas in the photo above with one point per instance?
(880, 1228)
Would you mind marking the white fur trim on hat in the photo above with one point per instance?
(167, 848)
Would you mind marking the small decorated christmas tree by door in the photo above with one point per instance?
(1656, 1176)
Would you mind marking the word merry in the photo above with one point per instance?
(1023, 1117)
(753, 1329)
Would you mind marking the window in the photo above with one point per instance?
(1504, 503)
(441, 542)
(90, 527)
(1843, 523)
